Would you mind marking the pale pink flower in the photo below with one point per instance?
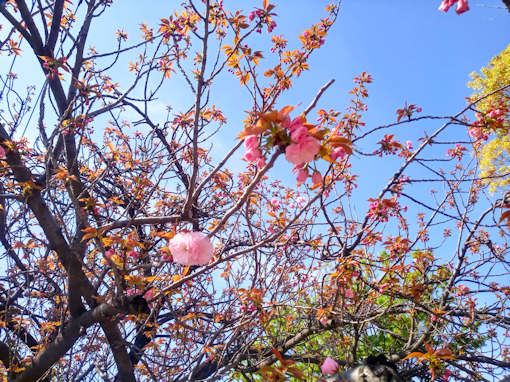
(149, 294)
(316, 177)
(338, 152)
(303, 151)
(446, 4)
(477, 133)
(252, 153)
(409, 145)
(330, 366)
(302, 174)
(251, 142)
(299, 133)
(2, 152)
(305, 147)
(191, 248)
(494, 113)
(462, 6)
(275, 203)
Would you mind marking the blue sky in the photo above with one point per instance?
(413, 51)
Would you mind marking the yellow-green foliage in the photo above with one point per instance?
(494, 155)
(495, 162)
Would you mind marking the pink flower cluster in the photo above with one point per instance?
(496, 114)
(252, 153)
(305, 147)
(381, 210)
(462, 6)
(329, 366)
(264, 17)
(2, 152)
(191, 248)
(457, 152)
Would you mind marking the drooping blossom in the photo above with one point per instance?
(330, 366)
(252, 153)
(191, 248)
(462, 6)
(316, 177)
(302, 175)
(2, 152)
(275, 203)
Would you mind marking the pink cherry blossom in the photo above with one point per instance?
(292, 125)
(2, 152)
(191, 248)
(305, 147)
(316, 177)
(494, 113)
(462, 6)
(446, 4)
(477, 133)
(349, 293)
(303, 151)
(133, 254)
(252, 153)
(302, 175)
(330, 366)
(338, 152)
(251, 142)
(275, 203)
(299, 133)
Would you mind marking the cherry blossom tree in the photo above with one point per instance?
(138, 249)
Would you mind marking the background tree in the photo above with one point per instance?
(135, 251)
(493, 120)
